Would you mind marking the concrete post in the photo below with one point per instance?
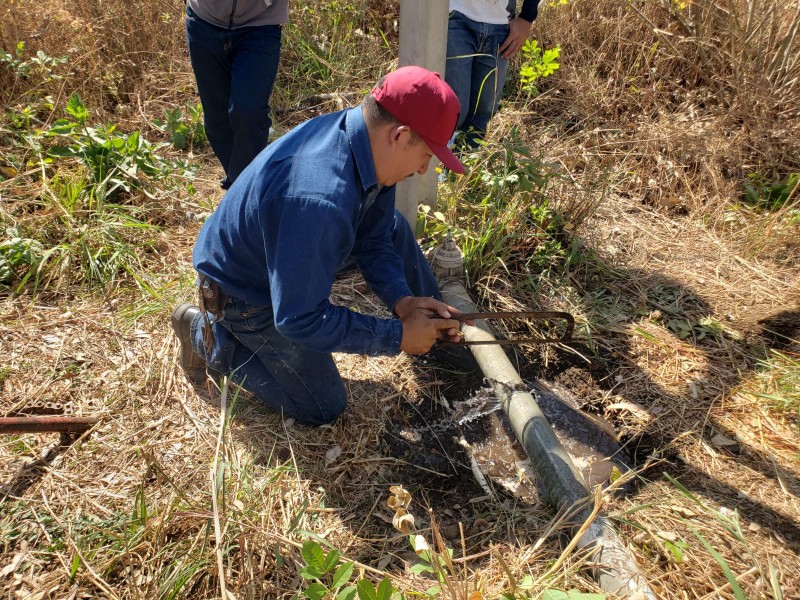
(423, 42)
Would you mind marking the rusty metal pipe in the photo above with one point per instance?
(45, 424)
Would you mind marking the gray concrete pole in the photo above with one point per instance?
(423, 42)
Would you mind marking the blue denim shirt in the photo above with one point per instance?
(296, 213)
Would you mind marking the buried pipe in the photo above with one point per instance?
(616, 572)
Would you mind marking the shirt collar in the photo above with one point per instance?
(358, 136)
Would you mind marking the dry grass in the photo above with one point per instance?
(120, 53)
(660, 112)
(678, 103)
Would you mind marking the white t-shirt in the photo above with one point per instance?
(484, 11)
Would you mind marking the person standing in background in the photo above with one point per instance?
(482, 35)
(234, 47)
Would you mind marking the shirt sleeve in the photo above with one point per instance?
(304, 251)
(529, 10)
(374, 251)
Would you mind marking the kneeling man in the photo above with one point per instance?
(320, 198)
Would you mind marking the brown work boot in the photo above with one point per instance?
(192, 363)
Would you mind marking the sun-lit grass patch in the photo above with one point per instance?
(777, 385)
(648, 186)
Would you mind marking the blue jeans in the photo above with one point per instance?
(301, 382)
(476, 71)
(235, 70)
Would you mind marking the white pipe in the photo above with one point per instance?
(617, 572)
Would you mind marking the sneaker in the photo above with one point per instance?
(453, 355)
(191, 362)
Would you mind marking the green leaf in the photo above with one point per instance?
(309, 572)
(313, 555)
(385, 589)
(77, 109)
(348, 593)
(134, 141)
(73, 569)
(178, 140)
(676, 549)
(682, 489)
(419, 568)
(737, 590)
(526, 583)
(118, 143)
(62, 151)
(331, 560)
(342, 575)
(366, 591)
(300, 512)
(316, 591)
(62, 127)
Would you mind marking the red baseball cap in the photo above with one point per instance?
(423, 101)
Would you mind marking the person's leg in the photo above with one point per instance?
(419, 276)
(488, 76)
(418, 272)
(212, 71)
(256, 54)
(461, 45)
(302, 383)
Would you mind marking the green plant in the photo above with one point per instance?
(503, 218)
(326, 45)
(18, 254)
(85, 226)
(436, 558)
(36, 71)
(329, 579)
(115, 161)
(771, 195)
(184, 129)
(435, 563)
(537, 63)
(686, 328)
(97, 246)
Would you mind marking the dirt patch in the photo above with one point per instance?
(466, 439)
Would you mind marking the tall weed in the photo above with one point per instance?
(87, 224)
(501, 213)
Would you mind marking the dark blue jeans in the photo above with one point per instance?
(235, 70)
(303, 383)
(475, 70)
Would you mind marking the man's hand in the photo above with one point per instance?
(520, 30)
(425, 321)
